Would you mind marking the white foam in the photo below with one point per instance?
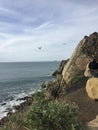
(12, 103)
(3, 112)
(9, 105)
(21, 95)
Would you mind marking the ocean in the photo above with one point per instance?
(21, 79)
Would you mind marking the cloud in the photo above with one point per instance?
(26, 25)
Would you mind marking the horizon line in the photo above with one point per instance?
(29, 61)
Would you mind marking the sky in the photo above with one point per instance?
(44, 30)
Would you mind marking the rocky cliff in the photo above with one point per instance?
(71, 73)
(61, 67)
(72, 70)
(86, 50)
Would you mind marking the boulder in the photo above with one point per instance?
(92, 88)
(93, 124)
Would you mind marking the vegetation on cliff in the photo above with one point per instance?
(78, 75)
(45, 115)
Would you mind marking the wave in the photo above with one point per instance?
(19, 80)
(8, 106)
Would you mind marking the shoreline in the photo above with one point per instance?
(23, 103)
(77, 96)
(28, 100)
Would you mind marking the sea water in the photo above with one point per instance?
(20, 79)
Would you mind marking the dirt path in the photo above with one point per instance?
(88, 107)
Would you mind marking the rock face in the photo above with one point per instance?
(86, 50)
(93, 125)
(92, 88)
(90, 72)
(72, 70)
(60, 69)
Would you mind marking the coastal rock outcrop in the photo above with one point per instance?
(61, 67)
(72, 70)
(86, 50)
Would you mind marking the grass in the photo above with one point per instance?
(78, 75)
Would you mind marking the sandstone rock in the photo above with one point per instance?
(90, 73)
(87, 72)
(55, 90)
(92, 88)
(60, 69)
(73, 70)
(52, 90)
(93, 124)
(86, 50)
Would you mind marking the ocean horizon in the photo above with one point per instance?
(29, 61)
(20, 79)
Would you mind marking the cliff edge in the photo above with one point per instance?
(71, 71)
(86, 50)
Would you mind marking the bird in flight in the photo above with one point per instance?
(63, 43)
(40, 47)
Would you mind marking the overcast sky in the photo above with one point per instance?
(44, 30)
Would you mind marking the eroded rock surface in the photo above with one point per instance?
(86, 50)
(61, 67)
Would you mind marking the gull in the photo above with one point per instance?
(40, 47)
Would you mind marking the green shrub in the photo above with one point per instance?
(45, 115)
(43, 85)
(49, 115)
(77, 76)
